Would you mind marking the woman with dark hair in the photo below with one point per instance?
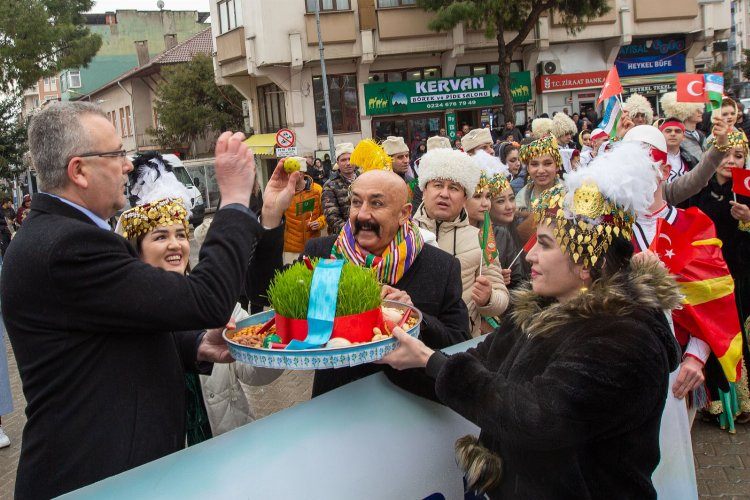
(508, 154)
(23, 210)
(569, 390)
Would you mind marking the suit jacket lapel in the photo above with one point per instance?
(48, 204)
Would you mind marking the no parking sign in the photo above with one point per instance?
(285, 138)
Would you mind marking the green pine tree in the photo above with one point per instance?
(190, 105)
(12, 137)
(498, 17)
(39, 38)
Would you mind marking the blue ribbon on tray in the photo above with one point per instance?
(321, 310)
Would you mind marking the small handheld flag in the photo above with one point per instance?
(714, 90)
(612, 86)
(611, 116)
(741, 181)
(690, 88)
(305, 206)
(487, 241)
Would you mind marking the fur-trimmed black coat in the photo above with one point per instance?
(570, 396)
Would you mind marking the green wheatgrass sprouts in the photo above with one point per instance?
(289, 292)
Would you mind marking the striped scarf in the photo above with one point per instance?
(394, 262)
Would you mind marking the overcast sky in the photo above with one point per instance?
(113, 5)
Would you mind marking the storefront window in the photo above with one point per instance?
(479, 70)
(413, 75)
(342, 91)
(414, 129)
(432, 72)
(395, 76)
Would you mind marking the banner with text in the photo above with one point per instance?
(443, 93)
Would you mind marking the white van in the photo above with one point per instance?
(195, 203)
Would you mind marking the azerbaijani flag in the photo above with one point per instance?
(713, 88)
(611, 116)
(709, 311)
(487, 241)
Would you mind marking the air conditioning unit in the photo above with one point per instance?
(548, 67)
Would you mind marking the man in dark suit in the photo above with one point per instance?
(91, 324)
(432, 282)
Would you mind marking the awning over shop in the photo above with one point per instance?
(262, 145)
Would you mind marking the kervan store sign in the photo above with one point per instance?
(443, 93)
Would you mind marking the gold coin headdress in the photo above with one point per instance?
(159, 197)
(545, 146)
(598, 203)
(736, 139)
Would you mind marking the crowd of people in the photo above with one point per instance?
(573, 376)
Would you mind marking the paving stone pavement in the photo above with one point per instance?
(722, 460)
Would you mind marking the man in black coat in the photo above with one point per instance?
(90, 323)
(379, 207)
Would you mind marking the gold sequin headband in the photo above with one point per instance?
(585, 230)
(495, 184)
(545, 146)
(141, 219)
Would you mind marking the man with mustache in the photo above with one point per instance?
(380, 235)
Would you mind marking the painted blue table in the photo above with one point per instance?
(368, 439)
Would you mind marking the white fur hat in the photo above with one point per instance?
(680, 110)
(344, 147)
(476, 138)
(562, 124)
(541, 127)
(394, 145)
(636, 103)
(436, 142)
(449, 164)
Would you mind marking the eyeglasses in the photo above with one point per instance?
(108, 154)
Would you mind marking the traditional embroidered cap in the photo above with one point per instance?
(344, 147)
(547, 145)
(449, 164)
(475, 138)
(436, 142)
(735, 138)
(595, 204)
(494, 174)
(394, 145)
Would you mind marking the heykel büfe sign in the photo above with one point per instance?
(442, 93)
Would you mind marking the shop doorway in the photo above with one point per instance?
(415, 129)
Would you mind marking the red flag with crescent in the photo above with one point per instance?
(709, 311)
(673, 247)
(690, 88)
(612, 85)
(741, 181)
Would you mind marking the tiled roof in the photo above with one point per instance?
(201, 43)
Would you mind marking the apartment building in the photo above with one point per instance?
(382, 60)
(45, 90)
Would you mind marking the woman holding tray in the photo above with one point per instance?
(569, 390)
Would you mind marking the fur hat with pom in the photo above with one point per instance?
(562, 124)
(541, 127)
(450, 165)
(681, 110)
(636, 104)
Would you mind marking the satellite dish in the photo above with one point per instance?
(160, 4)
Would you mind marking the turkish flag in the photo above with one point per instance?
(612, 85)
(690, 88)
(674, 248)
(741, 181)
